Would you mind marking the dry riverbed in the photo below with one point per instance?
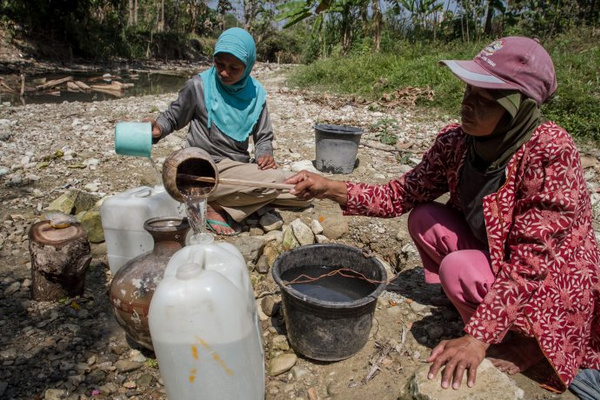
(74, 349)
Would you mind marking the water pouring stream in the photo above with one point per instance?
(196, 200)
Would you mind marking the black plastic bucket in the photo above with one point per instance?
(336, 148)
(327, 330)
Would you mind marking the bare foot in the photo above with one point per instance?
(217, 222)
(516, 355)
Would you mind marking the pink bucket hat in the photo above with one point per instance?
(514, 63)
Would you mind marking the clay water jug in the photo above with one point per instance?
(134, 284)
(180, 168)
(204, 325)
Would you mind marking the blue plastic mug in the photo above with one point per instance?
(133, 139)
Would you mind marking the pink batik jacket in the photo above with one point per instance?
(542, 246)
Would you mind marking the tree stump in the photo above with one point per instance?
(59, 260)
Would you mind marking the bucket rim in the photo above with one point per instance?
(324, 303)
(171, 223)
(341, 129)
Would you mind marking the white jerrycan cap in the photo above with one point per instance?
(199, 238)
(189, 271)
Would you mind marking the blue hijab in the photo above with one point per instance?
(236, 108)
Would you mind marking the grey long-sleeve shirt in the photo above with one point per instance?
(190, 108)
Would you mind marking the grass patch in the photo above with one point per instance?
(576, 56)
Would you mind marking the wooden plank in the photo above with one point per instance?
(116, 93)
(72, 86)
(82, 85)
(114, 86)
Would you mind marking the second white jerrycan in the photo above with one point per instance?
(203, 324)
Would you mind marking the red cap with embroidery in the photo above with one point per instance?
(514, 63)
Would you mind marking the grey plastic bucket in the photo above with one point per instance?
(327, 330)
(336, 148)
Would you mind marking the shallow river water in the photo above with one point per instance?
(144, 83)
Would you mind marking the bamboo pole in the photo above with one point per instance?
(238, 182)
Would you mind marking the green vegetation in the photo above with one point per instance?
(369, 48)
(576, 56)
(386, 128)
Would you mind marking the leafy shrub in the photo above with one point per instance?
(576, 56)
(284, 47)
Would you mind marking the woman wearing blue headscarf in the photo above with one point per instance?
(224, 106)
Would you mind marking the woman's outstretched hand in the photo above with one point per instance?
(457, 356)
(266, 162)
(156, 132)
(310, 185)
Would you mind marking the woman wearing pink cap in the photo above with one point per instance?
(513, 248)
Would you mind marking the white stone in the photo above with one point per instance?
(316, 227)
(298, 166)
(491, 384)
(303, 233)
(282, 364)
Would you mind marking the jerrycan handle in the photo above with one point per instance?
(189, 271)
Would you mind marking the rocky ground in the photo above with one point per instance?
(74, 349)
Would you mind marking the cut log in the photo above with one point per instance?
(114, 86)
(5, 86)
(72, 86)
(55, 82)
(82, 86)
(59, 260)
(116, 93)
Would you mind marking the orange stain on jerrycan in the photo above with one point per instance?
(222, 364)
(193, 371)
(192, 375)
(215, 356)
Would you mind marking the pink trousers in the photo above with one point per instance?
(451, 255)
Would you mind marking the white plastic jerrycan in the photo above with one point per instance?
(203, 324)
(123, 216)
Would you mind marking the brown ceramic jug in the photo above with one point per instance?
(181, 169)
(60, 257)
(134, 283)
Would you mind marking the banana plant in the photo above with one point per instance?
(343, 11)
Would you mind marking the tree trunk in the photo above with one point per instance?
(193, 10)
(59, 260)
(346, 29)
(249, 14)
(130, 17)
(435, 25)
(160, 16)
(487, 28)
(377, 25)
